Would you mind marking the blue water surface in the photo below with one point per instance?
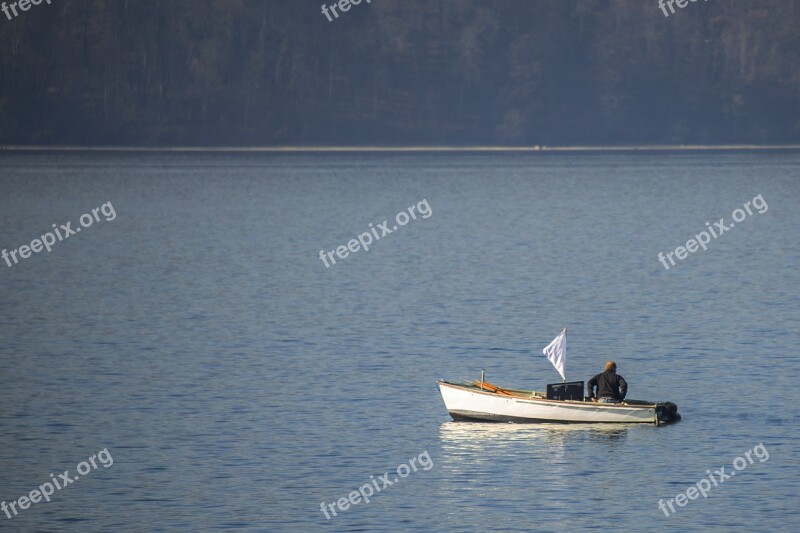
(239, 383)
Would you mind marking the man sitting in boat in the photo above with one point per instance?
(611, 387)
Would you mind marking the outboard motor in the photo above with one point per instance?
(667, 413)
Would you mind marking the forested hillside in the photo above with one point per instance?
(399, 72)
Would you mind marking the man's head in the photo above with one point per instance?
(611, 366)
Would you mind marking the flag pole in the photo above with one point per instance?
(564, 379)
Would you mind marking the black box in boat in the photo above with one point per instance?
(572, 390)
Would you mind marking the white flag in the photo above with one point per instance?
(556, 353)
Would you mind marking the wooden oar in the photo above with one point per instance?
(491, 388)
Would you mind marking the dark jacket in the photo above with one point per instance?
(608, 384)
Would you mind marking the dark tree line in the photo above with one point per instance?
(523, 72)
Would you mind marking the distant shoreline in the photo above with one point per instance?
(400, 149)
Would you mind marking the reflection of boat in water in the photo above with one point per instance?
(482, 401)
(467, 433)
(466, 444)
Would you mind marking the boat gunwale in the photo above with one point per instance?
(570, 403)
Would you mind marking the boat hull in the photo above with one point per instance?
(469, 403)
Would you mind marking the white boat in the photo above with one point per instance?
(562, 402)
(482, 401)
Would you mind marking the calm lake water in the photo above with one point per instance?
(238, 383)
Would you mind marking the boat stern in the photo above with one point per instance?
(667, 413)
